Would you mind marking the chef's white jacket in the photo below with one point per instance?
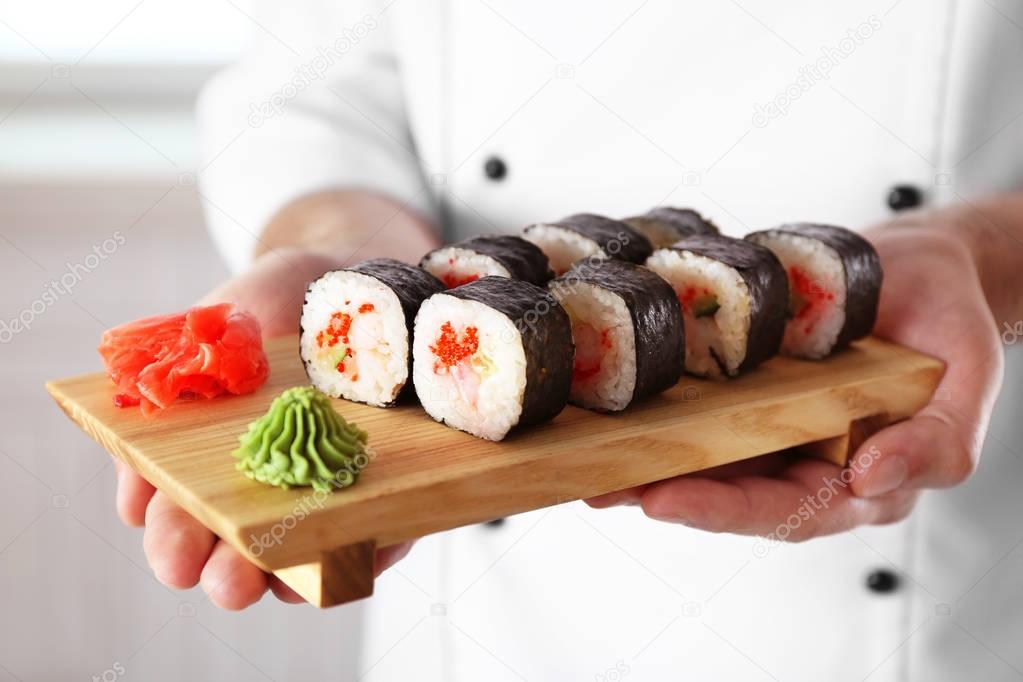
(486, 115)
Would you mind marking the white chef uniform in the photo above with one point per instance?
(486, 115)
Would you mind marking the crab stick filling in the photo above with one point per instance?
(809, 299)
(591, 346)
(704, 349)
(453, 279)
(457, 355)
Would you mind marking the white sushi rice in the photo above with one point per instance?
(377, 368)
(483, 394)
(562, 247)
(823, 266)
(595, 311)
(454, 263)
(724, 334)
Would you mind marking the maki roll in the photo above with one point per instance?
(628, 334)
(491, 355)
(834, 286)
(665, 225)
(586, 235)
(499, 255)
(356, 333)
(733, 295)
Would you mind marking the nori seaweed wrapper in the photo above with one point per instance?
(412, 285)
(656, 319)
(523, 259)
(546, 333)
(768, 288)
(617, 239)
(681, 222)
(863, 275)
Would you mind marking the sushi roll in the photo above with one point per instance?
(628, 334)
(733, 295)
(491, 355)
(834, 286)
(665, 225)
(586, 235)
(356, 333)
(499, 255)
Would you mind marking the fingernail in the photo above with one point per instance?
(884, 477)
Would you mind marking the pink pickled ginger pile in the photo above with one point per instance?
(201, 353)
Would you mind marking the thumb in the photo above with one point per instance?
(940, 446)
(927, 451)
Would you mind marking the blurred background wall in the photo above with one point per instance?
(97, 179)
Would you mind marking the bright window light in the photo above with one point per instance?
(118, 31)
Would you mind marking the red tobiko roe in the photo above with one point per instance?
(201, 353)
(337, 330)
(450, 350)
(340, 366)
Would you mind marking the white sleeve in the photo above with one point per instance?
(275, 128)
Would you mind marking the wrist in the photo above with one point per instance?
(966, 244)
(349, 225)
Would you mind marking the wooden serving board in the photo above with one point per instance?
(425, 477)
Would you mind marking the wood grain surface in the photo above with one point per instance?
(424, 477)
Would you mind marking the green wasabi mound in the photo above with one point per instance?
(302, 441)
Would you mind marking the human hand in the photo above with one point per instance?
(180, 550)
(931, 301)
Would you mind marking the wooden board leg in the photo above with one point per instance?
(838, 450)
(340, 576)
